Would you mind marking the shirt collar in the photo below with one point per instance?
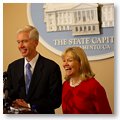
(33, 61)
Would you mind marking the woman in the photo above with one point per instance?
(82, 93)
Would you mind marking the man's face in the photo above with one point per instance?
(26, 46)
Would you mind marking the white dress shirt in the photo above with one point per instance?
(32, 63)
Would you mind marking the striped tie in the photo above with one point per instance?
(28, 76)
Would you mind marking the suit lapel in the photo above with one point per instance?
(37, 74)
(21, 78)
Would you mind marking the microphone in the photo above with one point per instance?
(6, 101)
(5, 75)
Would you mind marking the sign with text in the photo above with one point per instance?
(62, 25)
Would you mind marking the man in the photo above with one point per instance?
(43, 91)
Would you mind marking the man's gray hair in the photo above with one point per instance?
(33, 32)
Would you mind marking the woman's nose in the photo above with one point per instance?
(65, 63)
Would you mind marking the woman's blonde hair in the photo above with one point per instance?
(33, 32)
(79, 55)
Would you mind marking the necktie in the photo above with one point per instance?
(28, 76)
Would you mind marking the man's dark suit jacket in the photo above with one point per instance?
(45, 87)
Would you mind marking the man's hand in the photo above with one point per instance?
(19, 103)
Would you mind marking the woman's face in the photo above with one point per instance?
(71, 65)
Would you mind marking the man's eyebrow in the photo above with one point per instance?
(22, 39)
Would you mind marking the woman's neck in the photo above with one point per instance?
(75, 81)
